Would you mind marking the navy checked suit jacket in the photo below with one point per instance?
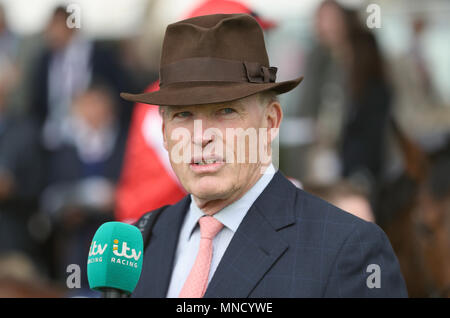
(290, 244)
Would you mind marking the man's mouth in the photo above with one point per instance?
(206, 165)
(206, 162)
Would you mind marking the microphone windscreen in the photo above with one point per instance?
(115, 257)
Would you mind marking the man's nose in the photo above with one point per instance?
(200, 138)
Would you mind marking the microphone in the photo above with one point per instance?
(115, 259)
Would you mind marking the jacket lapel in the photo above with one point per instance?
(257, 244)
(160, 253)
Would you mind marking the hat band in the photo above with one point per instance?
(209, 69)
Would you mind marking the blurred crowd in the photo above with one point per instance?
(64, 132)
(60, 153)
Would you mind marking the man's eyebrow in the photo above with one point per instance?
(235, 103)
(171, 109)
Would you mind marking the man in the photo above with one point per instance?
(68, 65)
(244, 230)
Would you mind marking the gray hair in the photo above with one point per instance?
(268, 97)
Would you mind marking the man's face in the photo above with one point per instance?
(207, 148)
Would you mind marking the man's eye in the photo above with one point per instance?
(182, 114)
(227, 110)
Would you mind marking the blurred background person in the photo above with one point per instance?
(8, 40)
(416, 93)
(20, 162)
(20, 278)
(348, 95)
(20, 177)
(347, 197)
(82, 175)
(66, 67)
(9, 45)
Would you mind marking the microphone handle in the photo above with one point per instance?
(113, 293)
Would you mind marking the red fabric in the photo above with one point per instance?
(228, 7)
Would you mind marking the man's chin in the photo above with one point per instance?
(211, 189)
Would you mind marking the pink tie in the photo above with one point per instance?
(195, 285)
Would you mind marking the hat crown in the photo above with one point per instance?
(226, 36)
(213, 59)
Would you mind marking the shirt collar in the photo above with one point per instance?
(232, 215)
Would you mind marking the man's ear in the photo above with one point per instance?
(274, 115)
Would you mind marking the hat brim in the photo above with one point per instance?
(199, 93)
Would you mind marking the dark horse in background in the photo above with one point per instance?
(414, 211)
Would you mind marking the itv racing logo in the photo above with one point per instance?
(125, 250)
(96, 252)
(97, 249)
(123, 254)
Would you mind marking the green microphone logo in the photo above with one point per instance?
(115, 257)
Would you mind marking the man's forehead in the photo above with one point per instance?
(242, 102)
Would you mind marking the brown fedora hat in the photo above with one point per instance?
(212, 59)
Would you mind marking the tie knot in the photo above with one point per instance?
(209, 227)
